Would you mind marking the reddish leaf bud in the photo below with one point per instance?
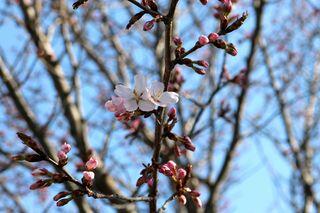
(202, 63)
(199, 71)
(190, 146)
(40, 172)
(141, 181)
(40, 184)
(28, 141)
(63, 202)
(148, 25)
(60, 195)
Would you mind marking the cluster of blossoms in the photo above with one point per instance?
(141, 98)
(180, 178)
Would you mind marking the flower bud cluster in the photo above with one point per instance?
(146, 176)
(180, 177)
(62, 154)
(88, 175)
(184, 140)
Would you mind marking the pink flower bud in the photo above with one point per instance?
(213, 36)
(39, 172)
(177, 41)
(182, 199)
(203, 40)
(181, 173)
(198, 202)
(148, 25)
(91, 164)
(66, 147)
(172, 113)
(150, 182)
(171, 165)
(62, 155)
(165, 170)
(88, 176)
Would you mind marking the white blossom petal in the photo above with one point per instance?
(146, 106)
(140, 84)
(124, 92)
(168, 98)
(146, 95)
(130, 105)
(156, 89)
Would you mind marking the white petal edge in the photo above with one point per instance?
(130, 105)
(146, 106)
(168, 98)
(156, 89)
(140, 83)
(123, 91)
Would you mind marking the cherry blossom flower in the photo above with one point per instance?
(138, 98)
(141, 97)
